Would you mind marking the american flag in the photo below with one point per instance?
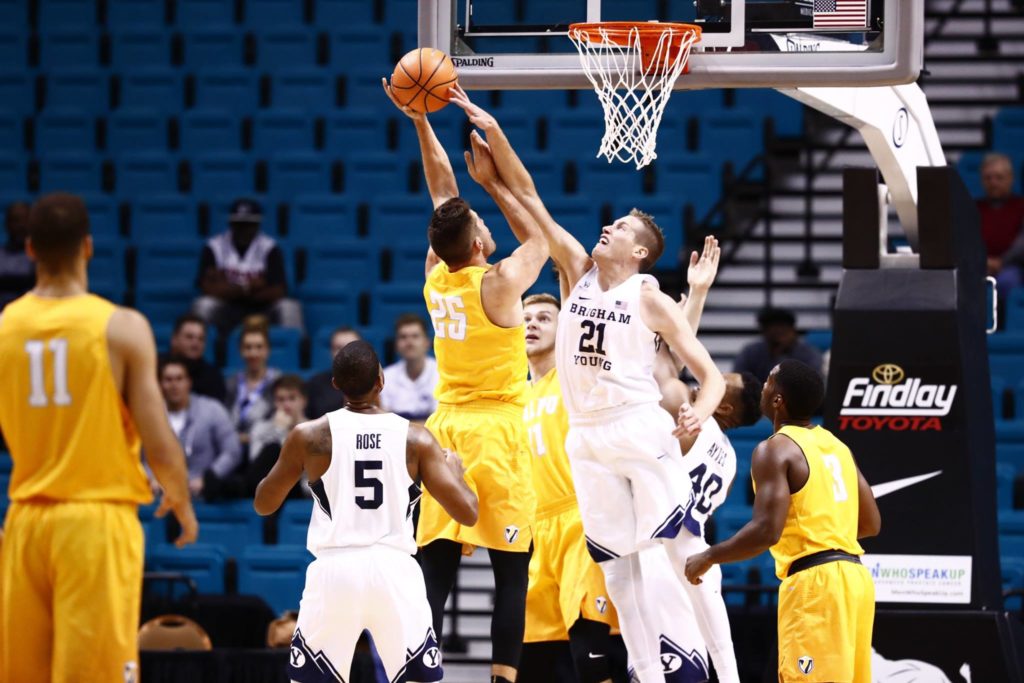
(840, 13)
(621, 306)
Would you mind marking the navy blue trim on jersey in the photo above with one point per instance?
(320, 496)
(305, 666)
(680, 666)
(423, 664)
(414, 499)
(672, 524)
(598, 552)
(691, 524)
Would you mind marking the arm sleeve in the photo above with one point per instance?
(229, 450)
(275, 268)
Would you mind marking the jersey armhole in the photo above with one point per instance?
(806, 460)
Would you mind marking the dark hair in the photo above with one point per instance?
(451, 231)
(801, 387)
(411, 319)
(14, 206)
(356, 369)
(293, 382)
(188, 319)
(775, 316)
(167, 361)
(651, 237)
(58, 223)
(750, 399)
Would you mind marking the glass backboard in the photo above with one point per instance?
(500, 44)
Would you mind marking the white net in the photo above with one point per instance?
(633, 87)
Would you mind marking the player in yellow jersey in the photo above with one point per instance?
(811, 506)
(480, 346)
(79, 394)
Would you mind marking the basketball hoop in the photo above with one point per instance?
(633, 67)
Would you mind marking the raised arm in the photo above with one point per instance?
(700, 275)
(441, 472)
(436, 166)
(131, 339)
(565, 249)
(869, 519)
(286, 472)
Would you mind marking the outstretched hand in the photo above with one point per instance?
(477, 116)
(704, 267)
(687, 422)
(481, 163)
(414, 115)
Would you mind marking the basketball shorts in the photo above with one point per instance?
(630, 481)
(70, 592)
(490, 437)
(565, 583)
(826, 614)
(350, 590)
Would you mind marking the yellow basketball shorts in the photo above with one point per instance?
(490, 437)
(565, 582)
(826, 614)
(70, 592)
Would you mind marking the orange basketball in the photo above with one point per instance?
(423, 78)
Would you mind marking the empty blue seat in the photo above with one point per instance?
(12, 132)
(352, 261)
(343, 12)
(131, 129)
(969, 167)
(204, 47)
(6, 463)
(407, 262)
(67, 14)
(284, 348)
(295, 46)
(203, 563)
(231, 89)
(691, 177)
(233, 525)
(279, 130)
(204, 130)
(400, 221)
(146, 173)
(65, 130)
(787, 114)
(133, 48)
(68, 48)
(221, 174)
(70, 172)
(271, 13)
(13, 49)
(17, 92)
(162, 301)
(1012, 574)
(368, 175)
(734, 135)
(160, 88)
(330, 305)
(322, 218)
(1015, 310)
(124, 14)
(356, 130)
(1008, 129)
(275, 573)
(293, 522)
(394, 299)
(106, 271)
(314, 88)
(1009, 366)
(200, 13)
(12, 172)
(291, 173)
(171, 262)
(600, 179)
(85, 89)
(1011, 546)
(13, 13)
(580, 217)
(164, 218)
(575, 133)
(668, 214)
(104, 218)
(370, 44)
(1004, 486)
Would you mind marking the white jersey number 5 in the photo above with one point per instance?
(448, 317)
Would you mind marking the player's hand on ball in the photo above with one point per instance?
(696, 566)
(688, 422)
(704, 266)
(415, 116)
(477, 116)
(480, 163)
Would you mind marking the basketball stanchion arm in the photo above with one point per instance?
(897, 126)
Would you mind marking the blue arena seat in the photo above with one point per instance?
(599, 179)
(68, 48)
(1011, 546)
(160, 88)
(320, 219)
(1015, 310)
(13, 48)
(65, 130)
(139, 47)
(355, 261)
(200, 13)
(67, 14)
(787, 114)
(1008, 129)
(575, 134)
(171, 262)
(330, 305)
(969, 166)
(295, 46)
(142, 172)
(205, 130)
(12, 132)
(222, 46)
(12, 172)
(164, 218)
(234, 525)
(85, 89)
(231, 89)
(344, 13)
(134, 129)
(356, 130)
(163, 301)
(275, 573)
(371, 44)
(1009, 366)
(293, 521)
(540, 101)
(314, 88)
(104, 218)
(369, 174)
(732, 134)
(668, 213)
(278, 130)
(126, 14)
(581, 217)
(291, 173)
(692, 177)
(202, 562)
(1011, 454)
(400, 221)
(394, 299)
(407, 262)
(1004, 486)
(13, 13)
(222, 174)
(1012, 573)
(17, 92)
(106, 271)
(70, 172)
(284, 348)
(6, 463)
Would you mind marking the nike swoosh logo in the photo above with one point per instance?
(593, 656)
(583, 298)
(888, 487)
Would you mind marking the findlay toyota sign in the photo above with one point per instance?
(890, 398)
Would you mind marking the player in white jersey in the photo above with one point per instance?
(627, 466)
(362, 464)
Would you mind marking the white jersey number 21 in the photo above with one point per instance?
(36, 350)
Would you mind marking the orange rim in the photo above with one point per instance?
(649, 32)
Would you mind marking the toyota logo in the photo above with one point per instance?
(888, 373)
(900, 127)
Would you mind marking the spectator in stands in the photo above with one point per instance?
(779, 341)
(17, 274)
(323, 397)
(1002, 219)
(249, 394)
(409, 383)
(242, 272)
(188, 342)
(202, 425)
(289, 393)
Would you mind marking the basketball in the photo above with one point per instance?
(422, 80)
